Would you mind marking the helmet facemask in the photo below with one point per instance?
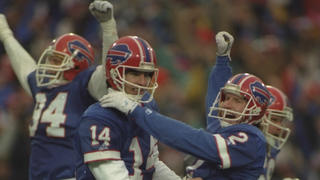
(51, 66)
(118, 76)
(275, 127)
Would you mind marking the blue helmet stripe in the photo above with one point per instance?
(237, 79)
(145, 48)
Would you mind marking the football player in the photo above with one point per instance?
(111, 146)
(63, 84)
(273, 124)
(275, 128)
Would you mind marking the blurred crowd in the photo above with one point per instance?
(277, 40)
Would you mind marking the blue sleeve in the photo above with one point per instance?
(219, 149)
(175, 133)
(219, 75)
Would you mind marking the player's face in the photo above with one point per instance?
(278, 122)
(235, 103)
(138, 78)
(55, 60)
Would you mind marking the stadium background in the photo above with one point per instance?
(278, 40)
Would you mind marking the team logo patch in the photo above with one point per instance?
(119, 54)
(83, 54)
(260, 93)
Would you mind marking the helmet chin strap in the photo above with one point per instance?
(272, 142)
(224, 119)
(224, 124)
(59, 82)
(134, 97)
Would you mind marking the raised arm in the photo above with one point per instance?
(21, 61)
(219, 75)
(103, 12)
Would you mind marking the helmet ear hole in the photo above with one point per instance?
(113, 74)
(114, 79)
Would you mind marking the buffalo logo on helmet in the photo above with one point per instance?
(119, 54)
(260, 93)
(83, 51)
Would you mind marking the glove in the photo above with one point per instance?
(118, 100)
(224, 42)
(5, 31)
(101, 10)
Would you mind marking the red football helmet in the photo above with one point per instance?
(278, 114)
(249, 87)
(131, 53)
(63, 60)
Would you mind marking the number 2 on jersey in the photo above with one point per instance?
(53, 115)
(241, 138)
